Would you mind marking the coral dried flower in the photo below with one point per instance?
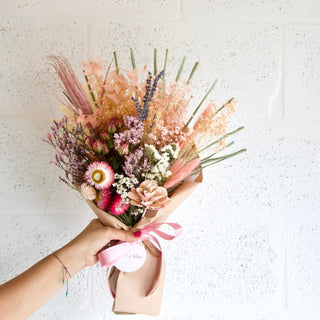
(100, 175)
(149, 195)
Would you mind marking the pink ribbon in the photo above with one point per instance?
(111, 255)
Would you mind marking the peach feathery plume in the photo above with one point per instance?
(206, 113)
(180, 174)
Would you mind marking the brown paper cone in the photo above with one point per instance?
(141, 291)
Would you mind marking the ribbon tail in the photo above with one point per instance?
(157, 254)
(112, 278)
(156, 281)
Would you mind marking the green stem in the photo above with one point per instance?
(155, 61)
(227, 146)
(66, 95)
(133, 62)
(125, 219)
(220, 139)
(210, 164)
(180, 69)
(91, 93)
(223, 106)
(116, 61)
(165, 63)
(204, 98)
(193, 71)
(230, 155)
(164, 72)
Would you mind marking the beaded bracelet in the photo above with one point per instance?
(65, 271)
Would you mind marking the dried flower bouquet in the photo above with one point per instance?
(126, 141)
(128, 144)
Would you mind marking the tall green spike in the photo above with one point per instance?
(180, 69)
(133, 62)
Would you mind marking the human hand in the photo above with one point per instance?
(82, 251)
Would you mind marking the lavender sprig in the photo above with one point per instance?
(143, 112)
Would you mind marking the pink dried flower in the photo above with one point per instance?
(98, 146)
(117, 206)
(113, 125)
(149, 195)
(105, 135)
(103, 199)
(181, 173)
(123, 150)
(100, 175)
(88, 192)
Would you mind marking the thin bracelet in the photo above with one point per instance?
(65, 271)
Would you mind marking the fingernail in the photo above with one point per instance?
(137, 234)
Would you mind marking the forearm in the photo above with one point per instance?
(23, 295)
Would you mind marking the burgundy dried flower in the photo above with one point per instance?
(103, 199)
(117, 206)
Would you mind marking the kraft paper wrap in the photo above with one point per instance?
(141, 291)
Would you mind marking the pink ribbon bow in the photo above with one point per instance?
(110, 256)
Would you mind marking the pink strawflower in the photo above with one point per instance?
(181, 173)
(117, 206)
(100, 175)
(103, 199)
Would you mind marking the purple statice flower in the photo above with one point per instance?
(137, 164)
(131, 136)
(71, 153)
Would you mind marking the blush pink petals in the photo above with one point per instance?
(149, 195)
(100, 175)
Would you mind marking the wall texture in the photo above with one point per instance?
(251, 243)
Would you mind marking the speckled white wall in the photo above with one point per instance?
(251, 243)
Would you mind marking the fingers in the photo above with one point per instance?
(95, 223)
(115, 234)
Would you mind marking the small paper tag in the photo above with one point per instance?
(134, 260)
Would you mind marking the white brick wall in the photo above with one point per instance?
(251, 242)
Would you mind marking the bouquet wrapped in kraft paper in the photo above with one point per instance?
(141, 291)
(130, 146)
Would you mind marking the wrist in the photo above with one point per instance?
(72, 257)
